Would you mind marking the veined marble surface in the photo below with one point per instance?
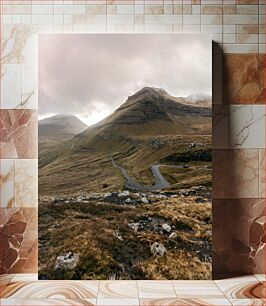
(238, 30)
(19, 183)
(23, 289)
(18, 134)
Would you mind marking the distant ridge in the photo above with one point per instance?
(60, 127)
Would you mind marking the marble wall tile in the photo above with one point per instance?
(262, 174)
(18, 232)
(18, 130)
(235, 173)
(184, 302)
(248, 29)
(7, 180)
(52, 290)
(234, 23)
(239, 246)
(220, 126)
(242, 288)
(118, 289)
(212, 9)
(19, 47)
(229, 38)
(11, 85)
(243, 79)
(49, 302)
(240, 48)
(158, 289)
(248, 302)
(118, 302)
(247, 126)
(26, 183)
(18, 44)
(196, 289)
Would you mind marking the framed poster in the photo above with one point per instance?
(125, 156)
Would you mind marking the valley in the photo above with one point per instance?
(130, 197)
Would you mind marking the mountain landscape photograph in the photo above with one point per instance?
(125, 156)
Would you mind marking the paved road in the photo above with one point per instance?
(159, 181)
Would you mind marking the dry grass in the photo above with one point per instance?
(88, 229)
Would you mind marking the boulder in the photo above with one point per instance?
(66, 261)
(123, 194)
(158, 249)
(118, 235)
(128, 201)
(172, 235)
(144, 200)
(107, 195)
(166, 228)
(134, 226)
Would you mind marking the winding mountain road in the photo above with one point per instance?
(159, 181)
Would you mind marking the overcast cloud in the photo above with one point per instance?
(90, 75)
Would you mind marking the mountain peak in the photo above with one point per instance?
(149, 91)
(61, 126)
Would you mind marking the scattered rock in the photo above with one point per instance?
(144, 200)
(134, 226)
(66, 261)
(128, 201)
(166, 227)
(107, 195)
(201, 200)
(172, 235)
(123, 194)
(158, 249)
(118, 235)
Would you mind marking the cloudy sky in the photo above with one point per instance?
(90, 75)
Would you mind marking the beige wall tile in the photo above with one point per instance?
(229, 38)
(191, 19)
(229, 28)
(229, 9)
(191, 28)
(248, 29)
(247, 9)
(119, 19)
(240, 48)
(247, 1)
(247, 38)
(211, 19)
(178, 9)
(125, 9)
(212, 9)
(187, 9)
(240, 19)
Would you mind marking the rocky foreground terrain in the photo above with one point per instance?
(129, 198)
(126, 235)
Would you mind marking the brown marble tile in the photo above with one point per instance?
(5, 279)
(235, 173)
(239, 236)
(18, 235)
(243, 79)
(262, 173)
(216, 74)
(220, 126)
(184, 302)
(51, 289)
(247, 1)
(245, 287)
(49, 302)
(18, 133)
